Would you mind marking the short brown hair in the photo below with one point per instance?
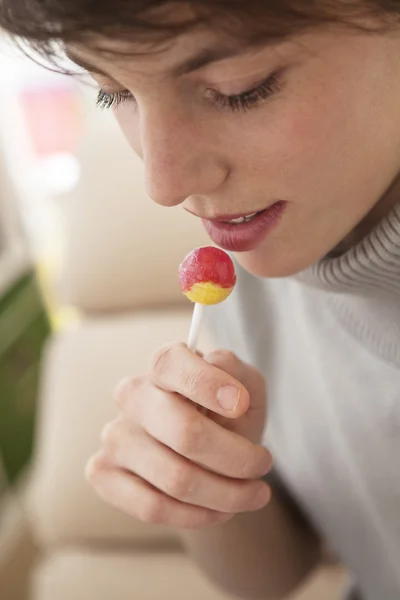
(43, 23)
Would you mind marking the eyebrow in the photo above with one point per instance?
(85, 64)
(205, 57)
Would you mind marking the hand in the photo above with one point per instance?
(162, 461)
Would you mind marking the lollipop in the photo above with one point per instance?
(206, 276)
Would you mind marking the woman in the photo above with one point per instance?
(277, 123)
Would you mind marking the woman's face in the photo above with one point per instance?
(309, 127)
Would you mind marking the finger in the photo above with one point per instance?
(176, 369)
(178, 477)
(136, 498)
(253, 380)
(174, 422)
(251, 377)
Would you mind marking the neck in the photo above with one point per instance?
(379, 211)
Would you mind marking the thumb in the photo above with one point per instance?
(249, 376)
(252, 423)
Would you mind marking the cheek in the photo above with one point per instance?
(299, 145)
(306, 143)
(127, 120)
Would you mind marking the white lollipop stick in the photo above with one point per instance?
(198, 313)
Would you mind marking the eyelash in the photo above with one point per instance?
(247, 100)
(238, 102)
(106, 100)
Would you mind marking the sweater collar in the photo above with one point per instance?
(370, 268)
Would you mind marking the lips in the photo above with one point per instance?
(246, 234)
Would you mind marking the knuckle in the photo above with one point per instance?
(246, 467)
(125, 391)
(189, 437)
(254, 463)
(193, 380)
(152, 511)
(179, 483)
(162, 359)
(111, 438)
(94, 468)
(224, 358)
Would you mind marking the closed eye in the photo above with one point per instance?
(250, 98)
(236, 102)
(111, 100)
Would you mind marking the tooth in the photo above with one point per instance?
(236, 221)
(242, 219)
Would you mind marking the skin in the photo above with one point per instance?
(203, 468)
(328, 142)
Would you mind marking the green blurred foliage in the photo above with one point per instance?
(24, 328)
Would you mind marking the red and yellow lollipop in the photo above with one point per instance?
(207, 276)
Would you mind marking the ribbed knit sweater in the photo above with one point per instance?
(328, 341)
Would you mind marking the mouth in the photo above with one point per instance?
(238, 220)
(242, 233)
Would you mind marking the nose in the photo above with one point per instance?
(179, 157)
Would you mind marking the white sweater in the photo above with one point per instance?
(328, 341)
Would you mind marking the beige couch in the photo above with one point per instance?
(121, 271)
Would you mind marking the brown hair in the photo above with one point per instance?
(47, 23)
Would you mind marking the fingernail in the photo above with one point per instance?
(228, 397)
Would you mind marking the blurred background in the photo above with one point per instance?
(88, 291)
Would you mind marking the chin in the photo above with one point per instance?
(273, 264)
